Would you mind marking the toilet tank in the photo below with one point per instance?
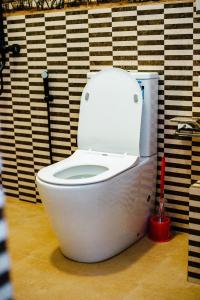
(148, 138)
(149, 84)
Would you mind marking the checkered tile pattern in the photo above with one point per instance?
(194, 234)
(71, 43)
(5, 285)
(194, 202)
(157, 37)
(9, 174)
(178, 74)
(21, 110)
(124, 37)
(77, 30)
(36, 59)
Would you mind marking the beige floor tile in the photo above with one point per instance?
(145, 271)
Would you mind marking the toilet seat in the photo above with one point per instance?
(102, 165)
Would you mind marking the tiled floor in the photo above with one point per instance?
(145, 271)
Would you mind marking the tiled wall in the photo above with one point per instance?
(5, 285)
(159, 37)
(194, 234)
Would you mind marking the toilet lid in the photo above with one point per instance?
(110, 113)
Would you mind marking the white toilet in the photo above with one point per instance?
(99, 199)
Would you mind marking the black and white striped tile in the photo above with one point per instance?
(194, 234)
(71, 43)
(57, 65)
(5, 285)
(178, 102)
(124, 37)
(100, 38)
(36, 58)
(196, 98)
(21, 110)
(150, 46)
(78, 67)
(9, 177)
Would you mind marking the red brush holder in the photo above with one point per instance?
(159, 231)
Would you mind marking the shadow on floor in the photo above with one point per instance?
(112, 265)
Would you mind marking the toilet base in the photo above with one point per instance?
(105, 259)
(96, 221)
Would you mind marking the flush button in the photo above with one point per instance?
(87, 95)
(135, 97)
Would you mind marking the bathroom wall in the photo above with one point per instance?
(194, 234)
(5, 285)
(158, 37)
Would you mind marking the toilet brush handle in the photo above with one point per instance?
(162, 180)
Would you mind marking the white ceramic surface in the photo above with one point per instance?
(94, 222)
(113, 164)
(110, 112)
(98, 216)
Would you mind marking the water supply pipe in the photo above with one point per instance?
(48, 98)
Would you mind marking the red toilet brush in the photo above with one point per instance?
(159, 230)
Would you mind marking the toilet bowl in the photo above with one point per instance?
(99, 199)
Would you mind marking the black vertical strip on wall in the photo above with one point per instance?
(78, 65)
(21, 110)
(178, 36)
(9, 176)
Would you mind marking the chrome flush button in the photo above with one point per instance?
(87, 95)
